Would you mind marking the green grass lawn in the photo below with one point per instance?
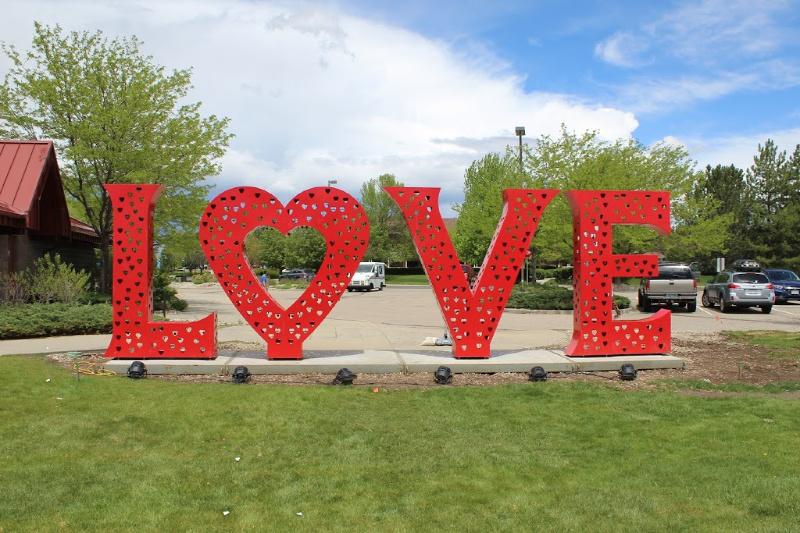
(114, 454)
(407, 279)
(779, 344)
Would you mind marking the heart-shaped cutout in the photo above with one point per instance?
(234, 213)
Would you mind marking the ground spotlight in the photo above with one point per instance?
(137, 370)
(537, 373)
(443, 375)
(344, 377)
(627, 372)
(240, 374)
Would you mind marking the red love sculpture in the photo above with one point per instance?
(594, 331)
(472, 314)
(233, 214)
(134, 335)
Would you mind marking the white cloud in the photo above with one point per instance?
(736, 149)
(709, 32)
(714, 30)
(653, 95)
(720, 46)
(622, 49)
(316, 94)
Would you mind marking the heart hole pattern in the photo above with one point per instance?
(472, 314)
(233, 214)
(134, 335)
(594, 331)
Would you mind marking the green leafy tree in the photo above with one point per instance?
(194, 258)
(479, 214)
(116, 117)
(305, 248)
(389, 239)
(267, 247)
(572, 161)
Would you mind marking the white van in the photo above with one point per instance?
(368, 276)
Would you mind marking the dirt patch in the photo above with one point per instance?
(710, 358)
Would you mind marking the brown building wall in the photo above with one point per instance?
(29, 248)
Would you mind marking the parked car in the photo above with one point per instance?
(674, 284)
(732, 289)
(297, 273)
(786, 283)
(746, 265)
(368, 276)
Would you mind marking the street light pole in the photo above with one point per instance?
(520, 131)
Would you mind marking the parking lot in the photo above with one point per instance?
(400, 317)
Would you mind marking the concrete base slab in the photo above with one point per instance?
(218, 366)
(385, 362)
(516, 361)
(367, 362)
(641, 362)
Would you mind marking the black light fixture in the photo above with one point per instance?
(137, 370)
(240, 374)
(537, 373)
(627, 372)
(344, 377)
(443, 375)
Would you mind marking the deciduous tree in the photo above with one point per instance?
(389, 239)
(116, 117)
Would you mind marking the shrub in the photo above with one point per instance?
(560, 274)
(164, 296)
(15, 288)
(549, 296)
(203, 277)
(540, 296)
(45, 320)
(49, 280)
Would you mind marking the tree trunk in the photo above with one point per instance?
(106, 273)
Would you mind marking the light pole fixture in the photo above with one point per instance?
(520, 131)
(332, 182)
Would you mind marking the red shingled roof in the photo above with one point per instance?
(31, 193)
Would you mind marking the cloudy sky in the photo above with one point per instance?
(347, 90)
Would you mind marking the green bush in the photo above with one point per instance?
(14, 288)
(560, 274)
(549, 296)
(203, 277)
(164, 296)
(45, 320)
(53, 280)
(49, 280)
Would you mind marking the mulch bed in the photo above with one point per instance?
(708, 357)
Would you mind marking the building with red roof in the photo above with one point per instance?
(34, 219)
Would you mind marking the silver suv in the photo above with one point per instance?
(739, 289)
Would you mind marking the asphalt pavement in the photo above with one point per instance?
(399, 318)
